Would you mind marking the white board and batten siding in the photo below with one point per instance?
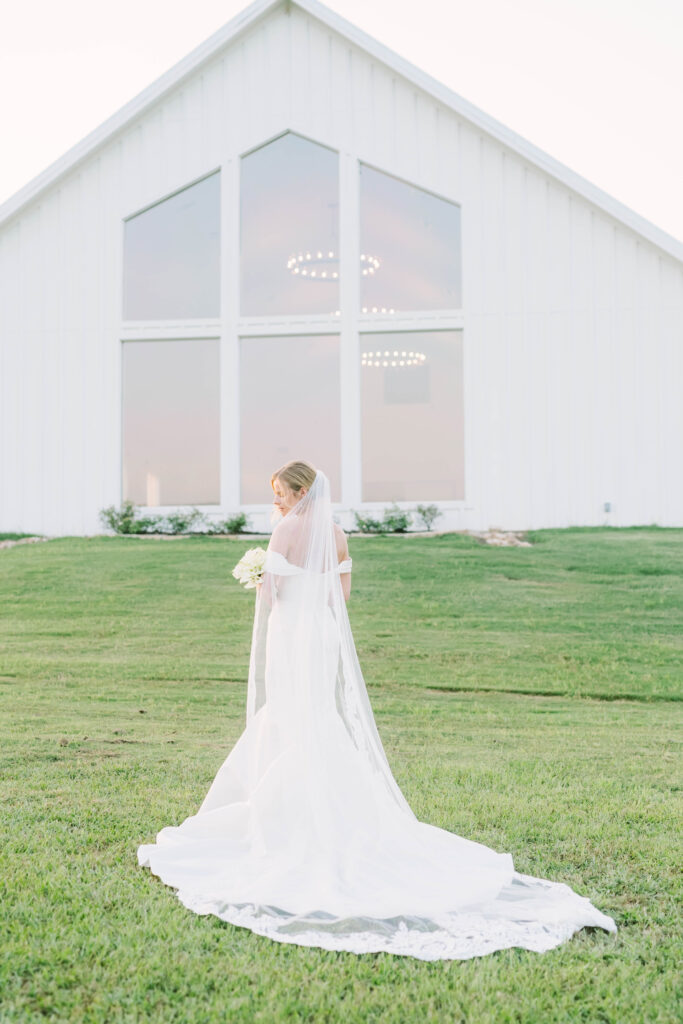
(572, 319)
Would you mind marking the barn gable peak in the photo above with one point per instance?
(258, 10)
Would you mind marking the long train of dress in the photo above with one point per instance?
(299, 841)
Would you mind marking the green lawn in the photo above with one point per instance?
(528, 698)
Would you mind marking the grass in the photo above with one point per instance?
(528, 698)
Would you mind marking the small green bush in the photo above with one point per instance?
(427, 514)
(366, 524)
(125, 519)
(396, 519)
(233, 524)
(180, 522)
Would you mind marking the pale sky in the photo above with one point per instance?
(597, 84)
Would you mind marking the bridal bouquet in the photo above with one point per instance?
(249, 569)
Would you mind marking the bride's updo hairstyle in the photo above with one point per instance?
(295, 475)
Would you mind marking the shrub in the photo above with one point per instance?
(180, 522)
(427, 515)
(366, 524)
(396, 519)
(233, 524)
(125, 519)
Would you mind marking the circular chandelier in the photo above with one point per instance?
(324, 266)
(392, 358)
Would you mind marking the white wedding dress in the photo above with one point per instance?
(304, 835)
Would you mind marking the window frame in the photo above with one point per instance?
(161, 338)
(351, 324)
(140, 325)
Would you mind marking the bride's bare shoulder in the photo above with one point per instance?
(281, 536)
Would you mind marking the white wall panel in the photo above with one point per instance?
(670, 411)
(381, 115)
(447, 154)
(536, 250)
(515, 480)
(12, 374)
(512, 229)
(426, 128)
(558, 249)
(472, 220)
(492, 256)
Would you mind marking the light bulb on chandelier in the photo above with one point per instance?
(324, 266)
(319, 266)
(393, 358)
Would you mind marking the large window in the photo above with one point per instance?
(171, 256)
(293, 342)
(289, 393)
(290, 229)
(171, 414)
(410, 247)
(412, 416)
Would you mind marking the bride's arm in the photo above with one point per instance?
(346, 584)
(265, 590)
(342, 555)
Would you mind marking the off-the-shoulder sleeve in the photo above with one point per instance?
(277, 564)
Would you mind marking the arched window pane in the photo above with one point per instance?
(410, 247)
(171, 256)
(171, 421)
(289, 390)
(412, 416)
(290, 229)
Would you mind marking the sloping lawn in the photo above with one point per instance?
(528, 698)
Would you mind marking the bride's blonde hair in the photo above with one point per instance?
(295, 475)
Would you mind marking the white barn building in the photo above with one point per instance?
(294, 244)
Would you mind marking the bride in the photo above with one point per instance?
(304, 835)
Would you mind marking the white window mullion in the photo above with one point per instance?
(229, 363)
(351, 470)
(437, 319)
(264, 326)
(172, 330)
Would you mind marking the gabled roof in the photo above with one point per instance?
(257, 10)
